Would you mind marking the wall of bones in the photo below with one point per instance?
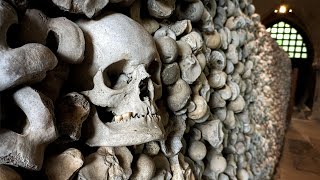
(139, 89)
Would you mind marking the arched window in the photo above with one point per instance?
(289, 39)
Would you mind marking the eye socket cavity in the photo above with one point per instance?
(114, 77)
(154, 70)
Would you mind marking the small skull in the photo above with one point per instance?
(122, 70)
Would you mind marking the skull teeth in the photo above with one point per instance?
(118, 118)
(129, 116)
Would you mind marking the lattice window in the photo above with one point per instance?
(289, 39)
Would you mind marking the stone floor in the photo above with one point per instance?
(301, 154)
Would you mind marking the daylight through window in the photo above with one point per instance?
(289, 39)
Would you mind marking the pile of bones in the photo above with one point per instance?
(139, 89)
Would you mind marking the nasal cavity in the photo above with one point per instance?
(144, 92)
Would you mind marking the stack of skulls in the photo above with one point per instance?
(187, 89)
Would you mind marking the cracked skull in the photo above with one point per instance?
(121, 77)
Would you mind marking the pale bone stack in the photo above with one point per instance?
(272, 80)
(140, 90)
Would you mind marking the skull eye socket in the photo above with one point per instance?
(154, 71)
(114, 77)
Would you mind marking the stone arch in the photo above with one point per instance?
(305, 82)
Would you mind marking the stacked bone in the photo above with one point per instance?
(272, 80)
(164, 92)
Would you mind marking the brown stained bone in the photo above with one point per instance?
(7, 173)
(72, 110)
(65, 165)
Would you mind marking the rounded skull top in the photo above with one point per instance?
(123, 67)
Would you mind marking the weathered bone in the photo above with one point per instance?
(89, 8)
(149, 24)
(217, 60)
(192, 11)
(197, 150)
(107, 163)
(216, 165)
(167, 48)
(72, 110)
(122, 97)
(194, 40)
(13, 62)
(7, 173)
(213, 40)
(178, 95)
(64, 165)
(180, 169)
(217, 79)
(145, 168)
(161, 8)
(132, 132)
(152, 148)
(181, 27)
(27, 149)
(201, 109)
(173, 143)
(212, 132)
(163, 171)
(69, 36)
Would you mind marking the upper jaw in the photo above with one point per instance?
(132, 129)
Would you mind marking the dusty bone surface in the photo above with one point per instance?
(142, 90)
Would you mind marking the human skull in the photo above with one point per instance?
(121, 74)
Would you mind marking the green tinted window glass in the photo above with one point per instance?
(299, 43)
(293, 30)
(286, 36)
(298, 49)
(274, 30)
(287, 30)
(280, 30)
(304, 55)
(293, 36)
(292, 43)
(289, 39)
(304, 49)
(279, 36)
(281, 24)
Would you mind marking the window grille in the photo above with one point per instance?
(289, 39)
